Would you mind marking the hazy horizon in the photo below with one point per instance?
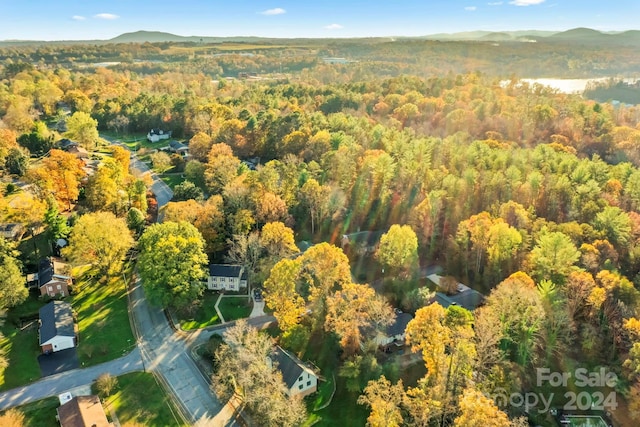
(73, 20)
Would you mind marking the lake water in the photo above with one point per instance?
(565, 85)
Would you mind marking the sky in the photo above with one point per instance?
(98, 19)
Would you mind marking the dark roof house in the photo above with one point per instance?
(178, 147)
(299, 379)
(56, 320)
(225, 270)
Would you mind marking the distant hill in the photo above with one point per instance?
(579, 35)
(588, 35)
(147, 36)
(520, 35)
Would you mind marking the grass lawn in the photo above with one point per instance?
(172, 179)
(343, 409)
(205, 316)
(20, 347)
(103, 319)
(41, 413)
(234, 308)
(139, 400)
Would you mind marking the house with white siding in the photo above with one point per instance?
(58, 330)
(226, 277)
(299, 379)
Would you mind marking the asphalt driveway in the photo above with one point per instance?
(59, 361)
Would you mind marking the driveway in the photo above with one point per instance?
(59, 361)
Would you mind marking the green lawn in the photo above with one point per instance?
(103, 320)
(343, 409)
(205, 316)
(20, 347)
(139, 400)
(172, 179)
(41, 413)
(234, 308)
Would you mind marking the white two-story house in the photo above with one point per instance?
(299, 379)
(226, 277)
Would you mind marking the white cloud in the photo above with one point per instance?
(78, 18)
(271, 12)
(106, 16)
(470, 8)
(333, 27)
(526, 2)
(495, 3)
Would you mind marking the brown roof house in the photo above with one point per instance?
(58, 330)
(300, 380)
(49, 282)
(83, 411)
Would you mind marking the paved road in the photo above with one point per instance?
(165, 352)
(59, 383)
(160, 189)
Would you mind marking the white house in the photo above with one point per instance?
(395, 332)
(156, 135)
(299, 379)
(57, 330)
(226, 277)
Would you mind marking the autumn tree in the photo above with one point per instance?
(221, 167)
(171, 263)
(399, 248)
(12, 418)
(59, 175)
(281, 294)
(245, 369)
(270, 208)
(101, 192)
(161, 161)
(476, 410)
(12, 286)
(210, 221)
(278, 240)
(106, 383)
(84, 129)
(325, 269)
(385, 400)
(355, 309)
(100, 239)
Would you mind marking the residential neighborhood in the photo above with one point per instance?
(331, 230)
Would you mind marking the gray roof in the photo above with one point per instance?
(177, 145)
(56, 318)
(45, 271)
(469, 299)
(224, 270)
(290, 366)
(398, 327)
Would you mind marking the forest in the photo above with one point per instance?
(525, 194)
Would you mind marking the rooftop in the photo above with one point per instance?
(290, 366)
(224, 270)
(56, 318)
(83, 411)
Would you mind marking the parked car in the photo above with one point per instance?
(257, 294)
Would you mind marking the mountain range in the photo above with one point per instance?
(581, 35)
